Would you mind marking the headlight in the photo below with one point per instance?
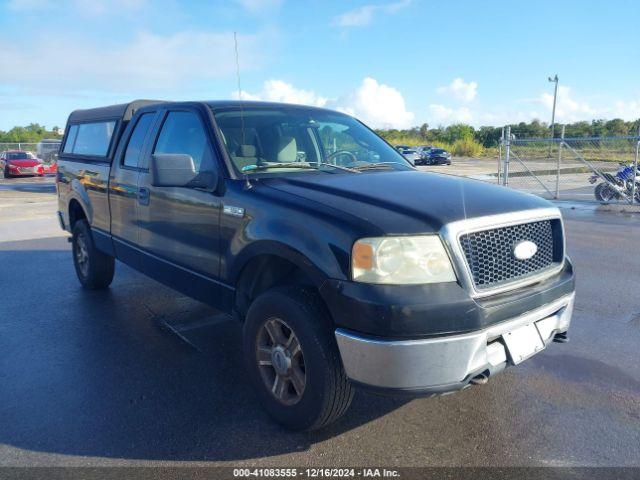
(401, 260)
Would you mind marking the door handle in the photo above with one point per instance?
(143, 196)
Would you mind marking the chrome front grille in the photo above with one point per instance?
(490, 256)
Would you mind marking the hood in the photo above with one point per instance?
(407, 201)
(24, 163)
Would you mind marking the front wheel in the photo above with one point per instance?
(94, 268)
(293, 360)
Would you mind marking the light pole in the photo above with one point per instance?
(554, 79)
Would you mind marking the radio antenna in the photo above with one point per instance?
(235, 43)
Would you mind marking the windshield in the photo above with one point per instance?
(438, 151)
(276, 140)
(19, 156)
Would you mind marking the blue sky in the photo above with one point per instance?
(393, 63)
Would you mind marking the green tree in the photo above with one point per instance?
(488, 136)
(424, 131)
(616, 127)
(458, 131)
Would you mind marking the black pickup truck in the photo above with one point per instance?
(347, 267)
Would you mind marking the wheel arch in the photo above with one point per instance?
(267, 264)
(76, 212)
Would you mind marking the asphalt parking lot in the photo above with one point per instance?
(574, 184)
(141, 375)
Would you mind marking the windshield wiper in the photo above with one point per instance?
(339, 167)
(253, 168)
(376, 166)
(303, 166)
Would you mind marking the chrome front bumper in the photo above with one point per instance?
(442, 364)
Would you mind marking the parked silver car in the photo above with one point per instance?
(409, 153)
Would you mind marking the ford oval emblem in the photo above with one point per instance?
(525, 250)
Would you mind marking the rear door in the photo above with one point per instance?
(180, 225)
(124, 192)
(84, 172)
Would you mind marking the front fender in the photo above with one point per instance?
(276, 223)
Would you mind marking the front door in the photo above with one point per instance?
(124, 193)
(180, 225)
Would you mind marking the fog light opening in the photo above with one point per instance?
(561, 338)
(481, 378)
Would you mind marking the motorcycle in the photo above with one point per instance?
(616, 186)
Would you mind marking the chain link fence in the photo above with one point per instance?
(602, 169)
(45, 150)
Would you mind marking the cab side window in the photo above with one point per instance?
(136, 140)
(93, 139)
(71, 139)
(183, 132)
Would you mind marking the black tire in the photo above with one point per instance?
(327, 392)
(6, 173)
(604, 193)
(94, 268)
(597, 192)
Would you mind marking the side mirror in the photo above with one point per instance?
(179, 170)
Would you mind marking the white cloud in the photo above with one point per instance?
(260, 6)
(148, 61)
(102, 7)
(568, 109)
(18, 5)
(363, 16)
(280, 91)
(629, 110)
(376, 104)
(441, 114)
(460, 90)
(85, 7)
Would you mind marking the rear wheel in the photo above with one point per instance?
(293, 360)
(94, 268)
(604, 193)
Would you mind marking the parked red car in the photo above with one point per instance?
(50, 168)
(20, 163)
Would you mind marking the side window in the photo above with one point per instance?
(92, 139)
(182, 132)
(71, 139)
(136, 140)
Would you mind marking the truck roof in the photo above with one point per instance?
(124, 111)
(216, 104)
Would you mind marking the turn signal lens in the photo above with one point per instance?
(362, 256)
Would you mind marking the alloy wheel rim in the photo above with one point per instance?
(607, 194)
(82, 255)
(281, 361)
